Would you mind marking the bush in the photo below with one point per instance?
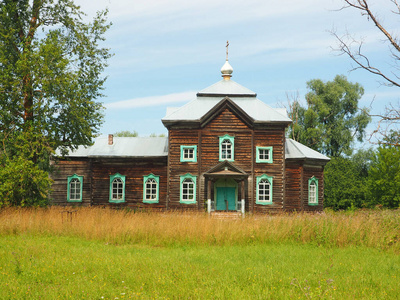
(23, 183)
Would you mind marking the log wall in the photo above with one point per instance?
(65, 168)
(293, 187)
(96, 181)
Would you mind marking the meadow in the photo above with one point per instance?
(96, 253)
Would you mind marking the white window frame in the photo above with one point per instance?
(120, 181)
(263, 181)
(184, 155)
(225, 142)
(313, 191)
(70, 194)
(153, 196)
(259, 151)
(186, 180)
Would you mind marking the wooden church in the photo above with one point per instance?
(226, 151)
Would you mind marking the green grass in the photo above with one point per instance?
(48, 266)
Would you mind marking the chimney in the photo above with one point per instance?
(110, 139)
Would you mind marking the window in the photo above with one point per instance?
(264, 155)
(74, 191)
(226, 147)
(117, 188)
(150, 188)
(189, 153)
(313, 191)
(188, 189)
(264, 190)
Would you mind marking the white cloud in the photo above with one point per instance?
(152, 101)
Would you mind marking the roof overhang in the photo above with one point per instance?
(226, 169)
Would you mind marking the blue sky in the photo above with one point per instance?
(166, 51)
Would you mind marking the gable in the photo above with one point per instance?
(227, 114)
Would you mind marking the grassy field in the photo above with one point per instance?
(107, 254)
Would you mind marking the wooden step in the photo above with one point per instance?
(230, 215)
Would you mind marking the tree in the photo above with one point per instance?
(50, 78)
(345, 180)
(384, 178)
(126, 133)
(332, 119)
(352, 47)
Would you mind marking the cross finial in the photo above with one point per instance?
(227, 45)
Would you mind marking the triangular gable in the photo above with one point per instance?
(226, 168)
(226, 103)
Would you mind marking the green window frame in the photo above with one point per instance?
(264, 155)
(151, 185)
(313, 191)
(188, 189)
(226, 148)
(189, 153)
(264, 189)
(117, 188)
(74, 188)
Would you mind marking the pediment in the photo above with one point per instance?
(226, 168)
(226, 103)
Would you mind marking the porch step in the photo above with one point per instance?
(230, 215)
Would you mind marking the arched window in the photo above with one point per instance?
(74, 193)
(226, 148)
(117, 188)
(188, 189)
(150, 188)
(264, 190)
(313, 191)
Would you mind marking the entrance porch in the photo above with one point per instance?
(225, 188)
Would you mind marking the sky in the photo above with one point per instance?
(167, 50)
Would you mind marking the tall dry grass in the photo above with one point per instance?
(378, 228)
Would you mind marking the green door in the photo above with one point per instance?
(228, 194)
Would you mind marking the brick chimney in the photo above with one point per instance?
(110, 139)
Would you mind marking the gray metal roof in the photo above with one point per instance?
(227, 88)
(158, 146)
(124, 147)
(296, 150)
(254, 107)
(209, 97)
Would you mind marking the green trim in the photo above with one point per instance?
(232, 140)
(194, 179)
(116, 176)
(270, 180)
(194, 159)
(315, 181)
(70, 178)
(269, 160)
(157, 179)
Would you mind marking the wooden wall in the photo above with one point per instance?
(65, 168)
(245, 141)
(96, 182)
(275, 137)
(293, 186)
(290, 179)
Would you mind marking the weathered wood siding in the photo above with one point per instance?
(293, 187)
(134, 169)
(65, 168)
(275, 137)
(96, 180)
(245, 141)
(176, 168)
